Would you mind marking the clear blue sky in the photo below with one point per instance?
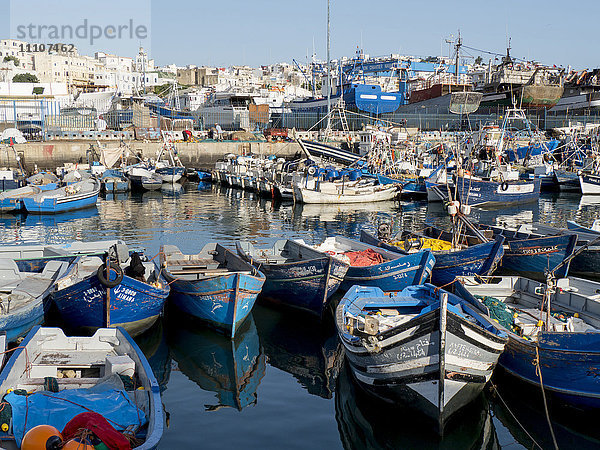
(254, 32)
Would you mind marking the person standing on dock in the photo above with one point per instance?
(219, 134)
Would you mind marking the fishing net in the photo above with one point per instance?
(500, 312)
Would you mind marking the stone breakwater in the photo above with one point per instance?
(50, 155)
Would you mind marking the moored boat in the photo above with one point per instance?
(296, 274)
(79, 195)
(479, 259)
(215, 285)
(352, 192)
(422, 346)
(477, 192)
(13, 200)
(121, 289)
(379, 267)
(55, 380)
(554, 332)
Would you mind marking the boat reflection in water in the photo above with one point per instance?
(302, 346)
(369, 424)
(232, 368)
(153, 342)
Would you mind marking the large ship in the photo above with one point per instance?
(526, 85)
(581, 94)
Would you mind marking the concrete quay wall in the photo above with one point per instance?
(52, 154)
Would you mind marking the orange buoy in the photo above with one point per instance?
(78, 444)
(42, 437)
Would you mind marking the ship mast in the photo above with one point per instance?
(328, 71)
(458, 45)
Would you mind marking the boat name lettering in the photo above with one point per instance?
(535, 250)
(462, 350)
(414, 351)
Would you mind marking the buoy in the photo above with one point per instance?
(5, 427)
(465, 209)
(42, 437)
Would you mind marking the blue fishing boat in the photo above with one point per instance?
(480, 259)
(559, 348)
(131, 293)
(231, 368)
(215, 285)
(204, 175)
(395, 348)
(114, 181)
(379, 267)
(83, 194)
(296, 274)
(68, 379)
(574, 226)
(46, 181)
(12, 200)
(476, 192)
(532, 256)
(525, 253)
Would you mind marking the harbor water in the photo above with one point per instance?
(283, 382)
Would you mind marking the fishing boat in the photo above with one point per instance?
(422, 346)
(215, 285)
(144, 179)
(231, 368)
(169, 174)
(351, 192)
(122, 289)
(12, 200)
(589, 183)
(374, 266)
(296, 274)
(51, 379)
(46, 181)
(114, 181)
(553, 331)
(204, 175)
(83, 194)
(477, 192)
(24, 294)
(525, 253)
(586, 261)
(574, 226)
(450, 262)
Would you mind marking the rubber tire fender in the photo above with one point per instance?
(101, 274)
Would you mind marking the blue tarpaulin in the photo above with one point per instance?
(57, 409)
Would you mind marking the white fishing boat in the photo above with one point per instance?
(63, 377)
(352, 192)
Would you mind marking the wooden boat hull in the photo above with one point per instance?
(18, 366)
(394, 275)
(224, 301)
(307, 285)
(134, 305)
(568, 360)
(492, 193)
(405, 364)
(532, 257)
(590, 184)
(375, 194)
(480, 259)
(40, 205)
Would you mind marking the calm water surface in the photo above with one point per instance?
(283, 383)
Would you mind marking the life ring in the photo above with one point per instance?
(312, 170)
(504, 186)
(101, 274)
